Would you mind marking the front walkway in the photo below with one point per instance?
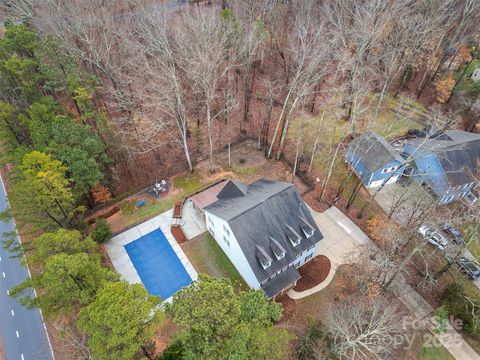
(119, 256)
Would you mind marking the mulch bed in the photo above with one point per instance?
(178, 234)
(177, 210)
(313, 273)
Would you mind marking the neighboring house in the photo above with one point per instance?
(476, 74)
(374, 160)
(266, 230)
(448, 163)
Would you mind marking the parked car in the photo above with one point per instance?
(433, 237)
(453, 232)
(469, 267)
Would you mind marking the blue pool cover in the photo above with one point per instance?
(157, 264)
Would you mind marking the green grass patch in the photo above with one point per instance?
(466, 84)
(208, 258)
(239, 170)
(148, 211)
(434, 353)
(188, 183)
(472, 67)
(474, 248)
(395, 117)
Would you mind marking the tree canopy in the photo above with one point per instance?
(66, 282)
(62, 241)
(120, 321)
(218, 323)
(44, 191)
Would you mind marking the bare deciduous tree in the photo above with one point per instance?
(361, 328)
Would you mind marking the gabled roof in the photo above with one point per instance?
(209, 195)
(265, 212)
(374, 151)
(458, 152)
(233, 189)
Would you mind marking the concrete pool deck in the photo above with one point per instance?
(119, 257)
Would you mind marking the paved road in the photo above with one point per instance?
(22, 331)
(410, 197)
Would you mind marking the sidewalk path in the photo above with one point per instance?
(391, 193)
(342, 239)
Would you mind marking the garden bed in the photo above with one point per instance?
(178, 234)
(313, 273)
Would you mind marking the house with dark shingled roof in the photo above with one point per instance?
(374, 160)
(266, 230)
(447, 162)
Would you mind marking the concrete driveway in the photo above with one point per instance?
(341, 236)
(342, 239)
(341, 242)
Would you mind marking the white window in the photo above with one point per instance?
(226, 230)
(308, 234)
(226, 240)
(309, 257)
(384, 171)
(210, 220)
(263, 282)
(211, 231)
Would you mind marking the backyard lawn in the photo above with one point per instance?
(434, 353)
(247, 164)
(208, 258)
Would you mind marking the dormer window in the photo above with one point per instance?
(263, 257)
(277, 248)
(293, 236)
(307, 229)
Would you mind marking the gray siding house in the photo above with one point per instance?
(374, 160)
(266, 230)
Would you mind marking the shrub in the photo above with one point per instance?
(102, 231)
(128, 207)
(459, 304)
(173, 352)
(314, 345)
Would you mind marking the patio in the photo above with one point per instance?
(120, 258)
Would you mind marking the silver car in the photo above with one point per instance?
(433, 237)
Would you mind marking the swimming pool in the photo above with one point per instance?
(157, 264)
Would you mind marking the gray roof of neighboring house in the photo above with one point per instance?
(458, 152)
(262, 213)
(374, 150)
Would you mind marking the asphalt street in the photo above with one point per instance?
(22, 331)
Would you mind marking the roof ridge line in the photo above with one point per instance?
(258, 204)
